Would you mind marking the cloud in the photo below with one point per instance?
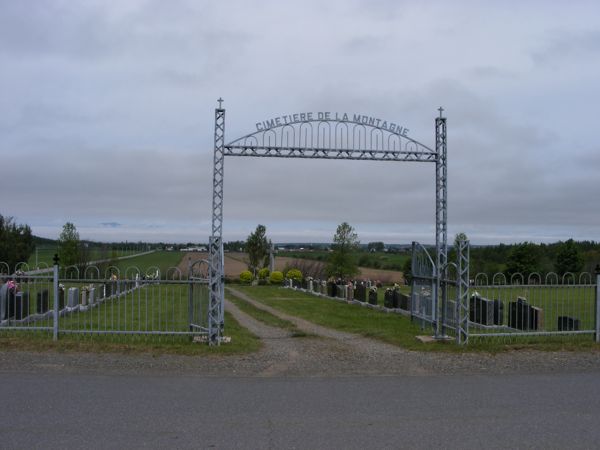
(111, 116)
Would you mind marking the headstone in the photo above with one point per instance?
(61, 299)
(536, 318)
(404, 302)
(4, 302)
(360, 292)
(372, 297)
(84, 297)
(350, 292)
(481, 310)
(42, 304)
(92, 295)
(395, 298)
(331, 289)
(519, 314)
(498, 312)
(73, 297)
(21, 305)
(388, 298)
(566, 323)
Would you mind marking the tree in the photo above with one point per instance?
(523, 259)
(69, 246)
(16, 242)
(568, 258)
(376, 246)
(342, 261)
(258, 249)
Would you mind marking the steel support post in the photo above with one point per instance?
(216, 275)
(56, 300)
(597, 304)
(462, 291)
(441, 221)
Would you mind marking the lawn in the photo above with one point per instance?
(392, 328)
(242, 341)
(373, 260)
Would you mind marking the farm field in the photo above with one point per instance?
(235, 263)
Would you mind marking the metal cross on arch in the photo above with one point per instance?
(321, 135)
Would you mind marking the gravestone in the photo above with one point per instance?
(21, 305)
(73, 297)
(388, 298)
(566, 323)
(481, 310)
(42, 304)
(84, 297)
(4, 302)
(372, 297)
(404, 302)
(360, 292)
(61, 298)
(91, 296)
(331, 289)
(519, 314)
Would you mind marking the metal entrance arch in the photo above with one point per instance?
(324, 135)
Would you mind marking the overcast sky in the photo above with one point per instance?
(107, 116)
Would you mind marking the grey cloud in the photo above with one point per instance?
(562, 47)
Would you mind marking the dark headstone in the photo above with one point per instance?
(404, 302)
(388, 299)
(372, 298)
(566, 323)
(481, 310)
(395, 298)
(360, 292)
(519, 314)
(4, 302)
(42, 304)
(331, 289)
(21, 305)
(498, 312)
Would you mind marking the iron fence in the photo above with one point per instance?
(516, 306)
(112, 302)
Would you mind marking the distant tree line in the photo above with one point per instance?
(527, 258)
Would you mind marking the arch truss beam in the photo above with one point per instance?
(348, 137)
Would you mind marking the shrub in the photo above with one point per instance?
(246, 277)
(263, 274)
(294, 274)
(276, 277)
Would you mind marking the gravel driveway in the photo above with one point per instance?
(325, 353)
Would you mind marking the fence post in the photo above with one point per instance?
(462, 291)
(56, 300)
(598, 303)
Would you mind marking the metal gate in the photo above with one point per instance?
(424, 287)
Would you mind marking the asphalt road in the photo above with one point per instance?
(75, 410)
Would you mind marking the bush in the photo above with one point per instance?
(276, 277)
(263, 274)
(246, 277)
(294, 274)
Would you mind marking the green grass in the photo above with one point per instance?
(392, 328)
(242, 341)
(264, 316)
(375, 260)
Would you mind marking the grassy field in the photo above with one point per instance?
(375, 260)
(242, 341)
(392, 328)
(44, 256)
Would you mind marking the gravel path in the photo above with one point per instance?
(326, 353)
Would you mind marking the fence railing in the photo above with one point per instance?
(93, 303)
(534, 306)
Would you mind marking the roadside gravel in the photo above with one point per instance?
(324, 353)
